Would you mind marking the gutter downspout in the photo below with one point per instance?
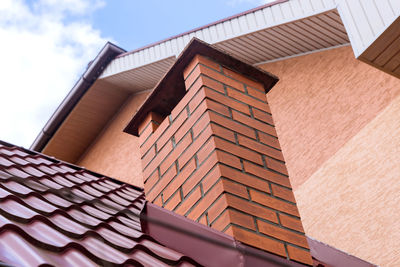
(93, 71)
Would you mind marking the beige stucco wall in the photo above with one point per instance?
(353, 201)
(115, 153)
(321, 101)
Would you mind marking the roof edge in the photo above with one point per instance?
(92, 72)
(205, 26)
(165, 97)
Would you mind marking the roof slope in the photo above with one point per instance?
(55, 213)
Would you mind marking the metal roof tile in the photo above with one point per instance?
(59, 214)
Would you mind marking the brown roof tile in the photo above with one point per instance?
(55, 213)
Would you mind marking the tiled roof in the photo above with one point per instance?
(55, 213)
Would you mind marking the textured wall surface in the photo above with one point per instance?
(321, 101)
(115, 153)
(352, 201)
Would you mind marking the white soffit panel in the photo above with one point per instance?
(286, 28)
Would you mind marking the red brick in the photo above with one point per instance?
(254, 239)
(260, 148)
(151, 181)
(261, 126)
(196, 100)
(257, 93)
(199, 174)
(290, 222)
(277, 166)
(223, 132)
(217, 107)
(262, 116)
(157, 160)
(242, 219)
(282, 234)
(173, 156)
(253, 102)
(220, 98)
(206, 150)
(179, 179)
(201, 124)
(234, 188)
(299, 255)
(152, 116)
(173, 202)
(229, 159)
(212, 177)
(217, 208)
(198, 59)
(144, 135)
(189, 201)
(251, 208)
(148, 157)
(269, 140)
(186, 98)
(241, 78)
(244, 179)
(158, 201)
(150, 142)
(220, 77)
(213, 84)
(266, 175)
(222, 221)
(162, 183)
(203, 220)
(283, 193)
(171, 130)
(206, 201)
(238, 151)
(194, 147)
(274, 203)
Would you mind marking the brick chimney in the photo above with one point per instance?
(210, 152)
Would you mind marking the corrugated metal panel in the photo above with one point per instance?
(227, 31)
(282, 30)
(53, 213)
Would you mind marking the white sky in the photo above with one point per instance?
(43, 51)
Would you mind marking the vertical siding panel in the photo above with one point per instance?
(277, 13)
(213, 34)
(396, 6)
(269, 18)
(296, 8)
(260, 19)
(287, 11)
(385, 11)
(372, 15)
(251, 21)
(306, 6)
(244, 27)
(220, 32)
(235, 26)
(317, 5)
(228, 28)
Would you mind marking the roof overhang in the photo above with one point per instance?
(271, 32)
(171, 88)
(93, 71)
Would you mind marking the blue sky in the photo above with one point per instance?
(47, 44)
(134, 24)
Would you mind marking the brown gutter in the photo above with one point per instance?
(205, 26)
(93, 71)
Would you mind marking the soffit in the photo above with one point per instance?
(100, 103)
(283, 29)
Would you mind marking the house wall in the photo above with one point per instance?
(337, 120)
(115, 153)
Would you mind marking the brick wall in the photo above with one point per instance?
(216, 159)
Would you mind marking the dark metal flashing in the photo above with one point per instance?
(205, 26)
(332, 257)
(93, 71)
(171, 88)
(203, 244)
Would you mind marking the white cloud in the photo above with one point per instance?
(44, 48)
